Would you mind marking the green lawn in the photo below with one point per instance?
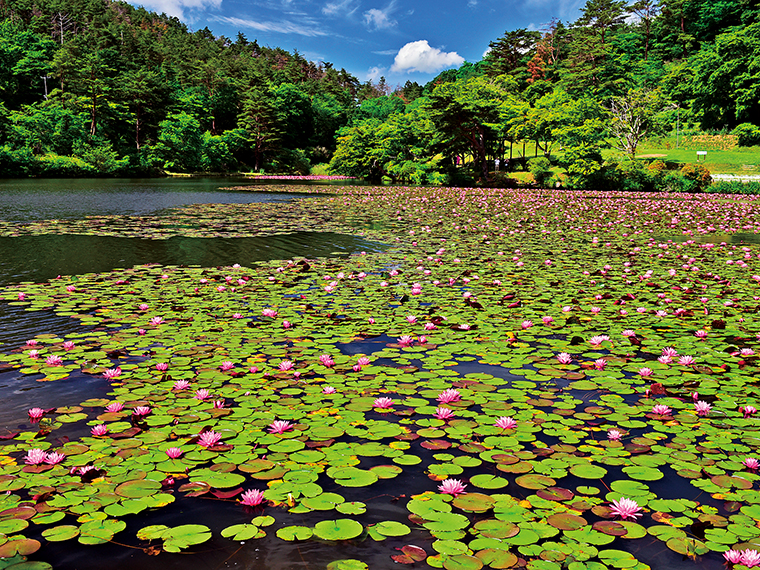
(744, 160)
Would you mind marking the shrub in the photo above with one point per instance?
(734, 187)
(541, 169)
(697, 176)
(633, 176)
(57, 166)
(747, 134)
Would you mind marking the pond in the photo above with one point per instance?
(595, 397)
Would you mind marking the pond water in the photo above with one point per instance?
(38, 258)
(49, 198)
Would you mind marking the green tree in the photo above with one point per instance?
(510, 54)
(180, 143)
(466, 117)
(295, 116)
(726, 84)
(261, 122)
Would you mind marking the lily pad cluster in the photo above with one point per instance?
(552, 352)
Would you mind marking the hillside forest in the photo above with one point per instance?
(101, 88)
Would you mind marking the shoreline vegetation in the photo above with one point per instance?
(578, 105)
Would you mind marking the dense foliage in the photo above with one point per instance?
(101, 87)
(620, 73)
(97, 87)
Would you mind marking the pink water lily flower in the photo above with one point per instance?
(327, 360)
(443, 413)
(219, 404)
(209, 438)
(54, 360)
(33, 354)
(285, 365)
(564, 358)
(405, 340)
(751, 463)
(449, 395)
(35, 456)
(748, 411)
(202, 394)
(155, 321)
(645, 372)
(661, 410)
(68, 345)
(505, 422)
(252, 498)
(328, 390)
(226, 365)
(280, 426)
(99, 430)
(600, 363)
(382, 403)
(363, 361)
(181, 385)
(702, 408)
(162, 367)
(141, 411)
(112, 373)
(626, 509)
(750, 558)
(54, 458)
(733, 556)
(35, 414)
(452, 487)
(598, 339)
(174, 452)
(114, 407)
(526, 324)
(614, 434)
(686, 360)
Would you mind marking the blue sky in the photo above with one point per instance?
(399, 39)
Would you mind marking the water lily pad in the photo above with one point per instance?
(588, 471)
(340, 529)
(535, 481)
(292, 533)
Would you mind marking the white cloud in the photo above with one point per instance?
(283, 27)
(419, 56)
(344, 8)
(177, 7)
(375, 73)
(379, 19)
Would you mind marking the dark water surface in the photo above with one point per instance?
(72, 198)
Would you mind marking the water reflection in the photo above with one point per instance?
(38, 258)
(44, 199)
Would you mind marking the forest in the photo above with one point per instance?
(101, 88)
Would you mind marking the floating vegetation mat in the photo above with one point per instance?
(539, 380)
